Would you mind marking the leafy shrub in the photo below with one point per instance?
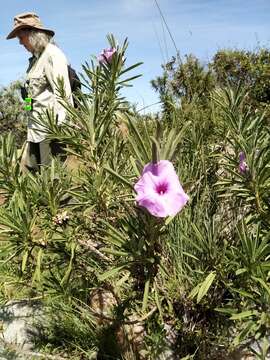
(120, 282)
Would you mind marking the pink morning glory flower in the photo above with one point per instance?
(106, 55)
(159, 190)
(243, 167)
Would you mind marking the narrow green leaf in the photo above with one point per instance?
(250, 326)
(37, 273)
(263, 283)
(24, 260)
(130, 68)
(190, 255)
(116, 234)
(188, 357)
(194, 291)
(122, 82)
(134, 166)
(158, 302)
(244, 315)
(118, 177)
(123, 279)
(240, 271)
(243, 293)
(226, 310)
(145, 294)
(205, 286)
(111, 272)
(139, 140)
(69, 269)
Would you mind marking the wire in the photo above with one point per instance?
(159, 44)
(168, 29)
(145, 107)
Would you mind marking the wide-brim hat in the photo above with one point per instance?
(27, 20)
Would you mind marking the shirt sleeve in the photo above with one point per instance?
(55, 69)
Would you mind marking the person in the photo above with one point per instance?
(47, 65)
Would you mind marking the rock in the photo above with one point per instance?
(18, 318)
(170, 341)
(261, 347)
(102, 302)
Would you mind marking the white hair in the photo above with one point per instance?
(38, 39)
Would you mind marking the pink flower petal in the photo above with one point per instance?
(106, 55)
(243, 167)
(153, 205)
(159, 190)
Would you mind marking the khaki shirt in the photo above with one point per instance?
(41, 86)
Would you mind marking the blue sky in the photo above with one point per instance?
(200, 27)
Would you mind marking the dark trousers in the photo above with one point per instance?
(40, 154)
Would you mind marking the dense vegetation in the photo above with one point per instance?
(116, 281)
(12, 116)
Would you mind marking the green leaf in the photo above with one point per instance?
(158, 302)
(205, 286)
(24, 260)
(263, 283)
(226, 310)
(173, 141)
(240, 271)
(122, 82)
(188, 357)
(145, 294)
(190, 255)
(118, 177)
(123, 279)
(114, 236)
(243, 293)
(244, 315)
(139, 140)
(37, 274)
(194, 291)
(69, 269)
(130, 68)
(244, 333)
(111, 272)
(134, 166)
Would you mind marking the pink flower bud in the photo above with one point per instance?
(106, 55)
(243, 167)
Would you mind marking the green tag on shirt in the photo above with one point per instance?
(28, 104)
